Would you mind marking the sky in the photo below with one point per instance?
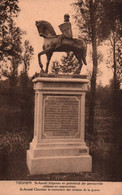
(53, 11)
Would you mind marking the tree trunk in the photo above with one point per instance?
(94, 73)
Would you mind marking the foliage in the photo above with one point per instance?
(116, 98)
(16, 106)
(67, 65)
(10, 40)
(88, 17)
(119, 60)
(13, 142)
(27, 56)
(115, 61)
(103, 12)
(98, 146)
(113, 20)
(12, 154)
(112, 15)
(14, 57)
(11, 46)
(103, 95)
(8, 10)
(55, 67)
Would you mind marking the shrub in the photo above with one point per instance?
(99, 147)
(14, 142)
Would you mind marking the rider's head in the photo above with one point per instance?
(66, 18)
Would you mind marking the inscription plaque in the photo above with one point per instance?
(61, 116)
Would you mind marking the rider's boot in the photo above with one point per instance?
(60, 38)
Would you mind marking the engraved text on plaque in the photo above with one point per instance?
(61, 115)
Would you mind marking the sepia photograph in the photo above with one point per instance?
(61, 97)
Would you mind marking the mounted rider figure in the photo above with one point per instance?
(66, 29)
(65, 42)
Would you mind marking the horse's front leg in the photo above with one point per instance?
(49, 55)
(39, 59)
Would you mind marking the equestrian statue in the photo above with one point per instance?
(60, 43)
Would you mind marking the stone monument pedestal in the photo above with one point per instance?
(58, 144)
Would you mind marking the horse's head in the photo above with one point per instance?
(45, 29)
(41, 28)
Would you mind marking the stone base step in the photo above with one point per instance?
(58, 164)
(59, 143)
(57, 151)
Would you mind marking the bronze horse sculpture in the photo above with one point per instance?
(77, 46)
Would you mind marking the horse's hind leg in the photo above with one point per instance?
(49, 55)
(78, 69)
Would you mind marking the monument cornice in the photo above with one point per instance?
(60, 80)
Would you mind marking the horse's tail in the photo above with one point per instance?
(84, 60)
(84, 54)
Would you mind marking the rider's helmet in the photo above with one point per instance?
(66, 17)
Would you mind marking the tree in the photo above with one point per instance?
(14, 54)
(113, 14)
(114, 17)
(26, 57)
(115, 44)
(112, 24)
(95, 21)
(10, 39)
(11, 49)
(8, 10)
(88, 17)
